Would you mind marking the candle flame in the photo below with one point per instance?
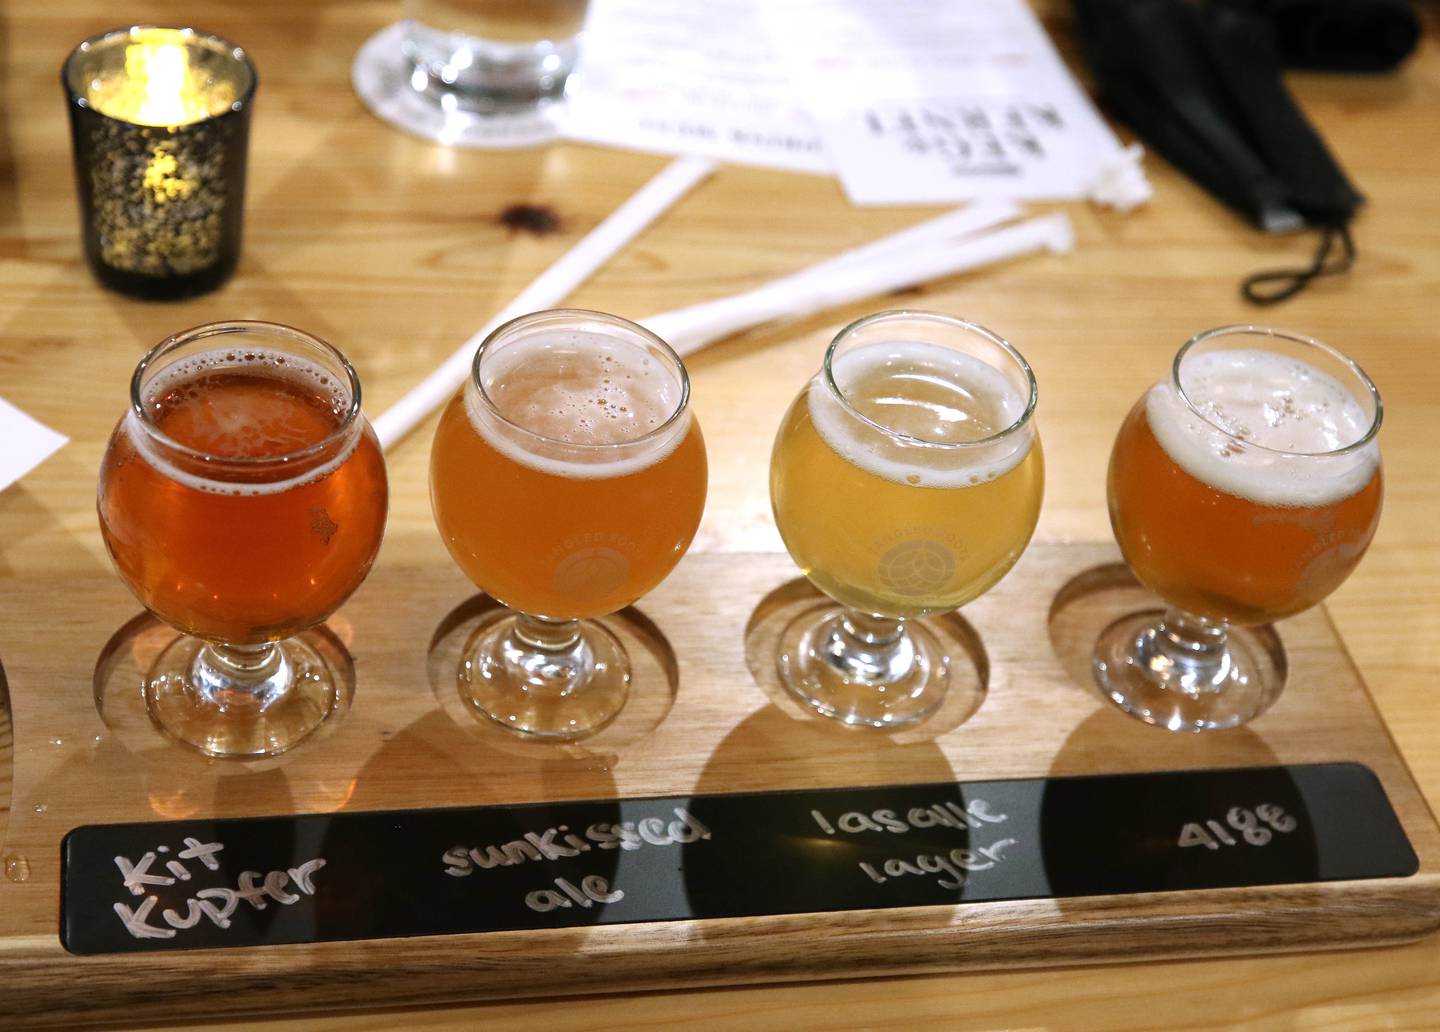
(161, 70)
(163, 82)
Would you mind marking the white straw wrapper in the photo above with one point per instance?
(550, 288)
(819, 288)
(943, 229)
(952, 226)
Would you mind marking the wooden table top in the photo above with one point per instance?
(392, 249)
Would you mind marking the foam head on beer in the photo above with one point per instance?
(1249, 411)
(564, 401)
(922, 397)
(242, 405)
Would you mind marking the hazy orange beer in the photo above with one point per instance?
(568, 477)
(1212, 547)
(243, 499)
(1244, 487)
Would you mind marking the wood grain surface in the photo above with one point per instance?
(393, 249)
(707, 715)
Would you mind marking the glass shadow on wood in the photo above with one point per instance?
(123, 671)
(655, 678)
(781, 608)
(1109, 596)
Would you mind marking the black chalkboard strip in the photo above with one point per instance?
(318, 878)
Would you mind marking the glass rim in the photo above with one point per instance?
(1293, 337)
(951, 320)
(565, 314)
(222, 45)
(345, 429)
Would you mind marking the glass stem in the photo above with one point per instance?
(1188, 652)
(870, 648)
(549, 656)
(545, 634)
(241, 677)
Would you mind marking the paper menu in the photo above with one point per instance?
(907, 101)
(27, 443)
(920, 102)
(698, 78)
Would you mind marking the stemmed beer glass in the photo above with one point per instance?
(567, 476)
(1244, 487)
(906, 480)
(242, 498)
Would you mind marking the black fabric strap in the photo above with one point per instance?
(1275, 285)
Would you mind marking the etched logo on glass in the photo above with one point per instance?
(591, 571)
(917, 568)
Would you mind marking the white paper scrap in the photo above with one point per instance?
(27, 443)
(920, 102)
(689, 78)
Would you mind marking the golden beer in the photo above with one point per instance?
(1242, 533)
(901, 527)
(906, 480)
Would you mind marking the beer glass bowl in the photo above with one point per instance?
(242, 498)
(1243, 487)
(567, 477)
(906, 480)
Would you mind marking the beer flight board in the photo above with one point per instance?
(714, 834)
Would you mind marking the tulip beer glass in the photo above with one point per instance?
(1244, 487)
(567, 477)
(906, 480)
(242, 499)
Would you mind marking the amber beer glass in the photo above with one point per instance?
(906, 480)
(567, 478)
(242, 499)
(1244, 487)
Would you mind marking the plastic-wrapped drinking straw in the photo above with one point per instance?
(843, 280)
(548, 290)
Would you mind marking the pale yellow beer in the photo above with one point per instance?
(907, 498)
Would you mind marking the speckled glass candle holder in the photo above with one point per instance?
(160, 121)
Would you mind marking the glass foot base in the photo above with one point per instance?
(1140, 670)
(900, 683)
(386, 82)
(559, 692)
(188, 698)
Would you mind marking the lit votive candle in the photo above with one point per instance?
(160, 120)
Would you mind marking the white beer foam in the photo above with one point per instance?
(915, 465)
(592, 427)
(1277, 402)
(237, 359)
